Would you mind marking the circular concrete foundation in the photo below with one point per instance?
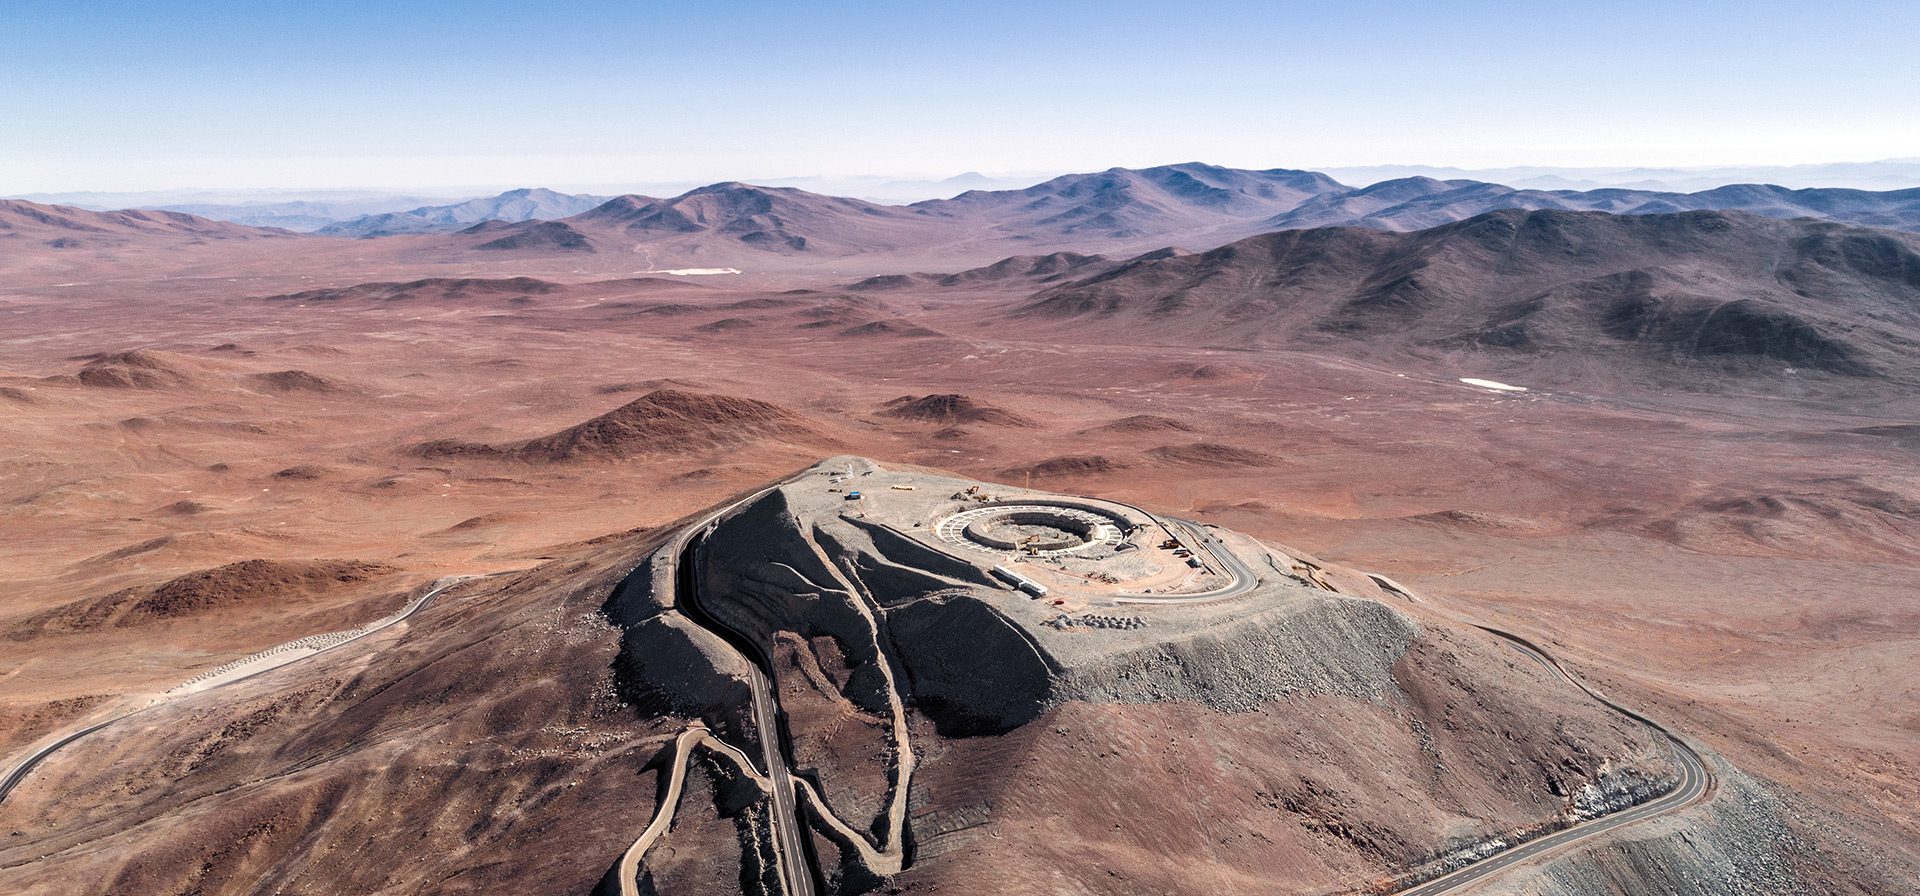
(1031, 528)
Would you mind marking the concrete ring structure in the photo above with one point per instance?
(1073, 529)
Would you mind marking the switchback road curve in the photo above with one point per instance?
(1696, 781)
(796, 865)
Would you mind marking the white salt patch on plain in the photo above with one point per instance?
(697, 272)
(1490, 384)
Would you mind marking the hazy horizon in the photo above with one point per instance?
(221, 95)
(1885, 174)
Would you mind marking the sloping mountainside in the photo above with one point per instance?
(957, 734)
(1033, 269)
(1115, 209)
(1120, 211)
(479, 749)
(1129, 210)
(665, 421)
(1182, 202)
(299, 215)
(1416, 203)
(772, 219)
(535, 732)
(1123, 204)
(536, 204)
(1530, 292)
(64, 227)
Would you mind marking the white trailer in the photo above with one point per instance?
(1019, 581)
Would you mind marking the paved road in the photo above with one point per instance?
(1695, 782)
(19, 772)
(1244, 578)
(793, 850)
(796, 867)
(26, 766)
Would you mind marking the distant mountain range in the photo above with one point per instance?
(1175, 198)
(1886, 174)
(534, 204)
(64, 227)
(300, 215)
(1129, 210)
(1120, 212)
(1549, 295)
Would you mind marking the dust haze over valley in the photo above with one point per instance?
(1430, 536)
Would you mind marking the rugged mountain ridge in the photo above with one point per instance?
(1522, 290)
(64, 227)
(528, 204)
(1117, 211)
(1130, 210)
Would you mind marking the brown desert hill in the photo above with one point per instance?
(430, 289)
(771, 219)
(550, 235)
(1144, 423)
(895, 281)
(890, 328)
(1071, 465)
(665, 421)
(1518, 290)
(250, 581)
(727, 323)
(535, 715)
(1210, 454)
(287, 587)
(75, 227)
(1037, 268)
(485, 726)
(19, 395)
(143, 369)
(297, 381)
(950, 409)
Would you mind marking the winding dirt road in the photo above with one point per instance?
(796, 871)
(239, 670)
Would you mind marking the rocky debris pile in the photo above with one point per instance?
(1319, 645)
(1064, 622)
(312, 643)
(1738, 842)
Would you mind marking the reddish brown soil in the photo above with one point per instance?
(1736, 558)
(951, 409)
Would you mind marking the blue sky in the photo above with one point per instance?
(149, 95)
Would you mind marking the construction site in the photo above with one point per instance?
(1069, 551)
